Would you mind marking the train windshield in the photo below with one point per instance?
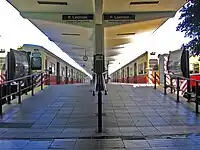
(22, 64)
(36, 63)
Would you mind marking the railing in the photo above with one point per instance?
(176, 88)
(20, 86)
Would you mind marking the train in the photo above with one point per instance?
(30, 59)
(142, 70)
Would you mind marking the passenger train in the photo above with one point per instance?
(142, 69)
(139, 70)
(42, 60)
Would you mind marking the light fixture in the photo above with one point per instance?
(52, 3)
(121, 34)
(144, 2)
(71, 34)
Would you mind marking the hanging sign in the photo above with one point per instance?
(78, 18)
(119, 17)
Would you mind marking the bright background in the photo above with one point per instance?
(16, 31)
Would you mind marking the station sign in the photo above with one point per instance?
(78, 18)
(127, 17)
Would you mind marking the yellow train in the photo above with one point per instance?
(62, 72)
(139, 70)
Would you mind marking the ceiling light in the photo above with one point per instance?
(52, 3)
(120, 34)
(71, 34)
(115, 48)
(144, 2)
(78, 48)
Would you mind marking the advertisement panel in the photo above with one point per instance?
(178, 63)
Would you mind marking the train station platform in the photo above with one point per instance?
(64, 117)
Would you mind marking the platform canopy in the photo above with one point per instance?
(70, 23)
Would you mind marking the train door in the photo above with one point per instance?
(66, 75)
(45, 65)
(58, 73)
(45, 71)
(135, 72)
(72, 75)
(122, 75)
(128, 75)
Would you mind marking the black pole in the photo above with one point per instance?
(188, 74)
(155, 80)
(197, 97)
(1, 95)
(165, 84)
(9, 77)
(32, 86)
(99, 111)
(19, 92)
(178, 89)
(9, 92)
(41, 81)
(171, 84)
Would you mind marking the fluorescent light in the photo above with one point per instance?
(52, 3)
(121, 34)
(144, 3)
(71, 34)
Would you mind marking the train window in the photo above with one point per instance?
(2, 61)
(53, 66)
(62, 71)
(131, 71)
(196, 68)
(145, 67)
(36, 63)
(140, 69)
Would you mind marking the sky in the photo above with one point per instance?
(16, 31)
(163, 40)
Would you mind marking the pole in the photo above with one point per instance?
(41, 81)
(197, 97)
(32, 86)
(188, 74)
(165, 84)
(19, 92)
(178, 89)
(99, 111)
(1, 95)
(171, 84)
(155, 80)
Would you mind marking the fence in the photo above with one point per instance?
(10, 89)
(179, 85)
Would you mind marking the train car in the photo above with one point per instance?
(194, 68)
(140, 70)
(62, 72)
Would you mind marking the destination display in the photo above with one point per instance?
(78, 18)
(119, 17)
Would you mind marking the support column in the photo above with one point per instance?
(99, 39)
(99, 64)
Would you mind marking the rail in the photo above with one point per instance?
(176, 88)
(20, 86)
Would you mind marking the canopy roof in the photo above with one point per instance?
(122, 20)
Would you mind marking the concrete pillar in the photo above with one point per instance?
(99, 29)
(99, 39)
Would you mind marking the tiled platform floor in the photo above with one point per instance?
(64, 117)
